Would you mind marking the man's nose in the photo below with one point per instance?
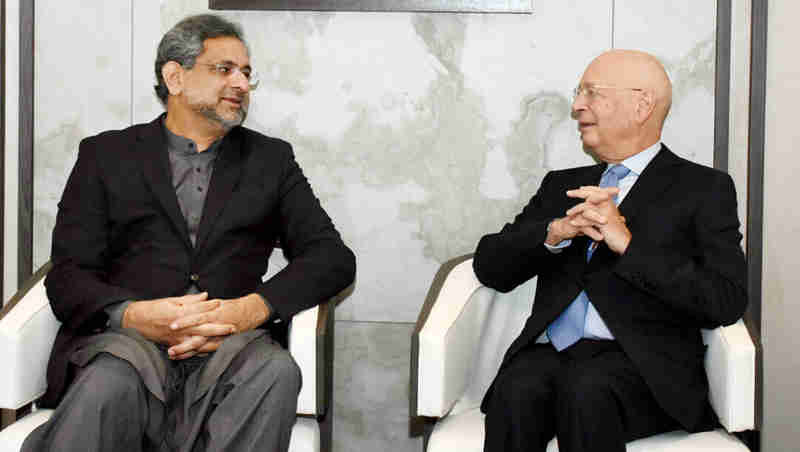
(239, 81)
(578, 105)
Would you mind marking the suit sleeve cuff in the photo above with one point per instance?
(274, 317)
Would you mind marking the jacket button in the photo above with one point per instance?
(195, 277)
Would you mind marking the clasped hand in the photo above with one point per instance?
(192, 324)
(596, 217)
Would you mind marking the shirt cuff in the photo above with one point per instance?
(555, 249)
(115, 312)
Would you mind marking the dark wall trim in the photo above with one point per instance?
(2, 144)
(755, 186)
(26, 73)
(722, 85)
(464, 6)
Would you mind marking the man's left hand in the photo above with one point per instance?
(245, 313)
(599, 217)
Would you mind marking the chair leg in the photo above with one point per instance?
(421, 426)
(326, 433)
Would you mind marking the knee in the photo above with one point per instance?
(272, 366)
(518, 393)
(109, 383)
(284, 370)
(579, 390)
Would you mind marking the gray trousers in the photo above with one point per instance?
(251, 406)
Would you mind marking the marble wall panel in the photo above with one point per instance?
(147, 23)
(82, 86)
(11, 163)
(739, 139)
(419, 132)
(682, 35)
(371, 368)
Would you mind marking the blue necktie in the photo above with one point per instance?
(568, 327)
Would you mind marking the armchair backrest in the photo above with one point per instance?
(507, 313)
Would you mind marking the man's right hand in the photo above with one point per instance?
(152, 319)
(559, 230)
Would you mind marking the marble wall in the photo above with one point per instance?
(419, 132)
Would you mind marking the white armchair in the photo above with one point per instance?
(28, 329)
(465, 328)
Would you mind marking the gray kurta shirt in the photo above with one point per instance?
(191, 177)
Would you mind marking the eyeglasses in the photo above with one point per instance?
(592, 91)
(228, 69)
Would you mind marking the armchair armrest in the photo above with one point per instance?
(303, 347)
(311, 336)
(730, 366)
(311, 346)
(446, 339)
(27, 331)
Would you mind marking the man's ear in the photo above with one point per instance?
(645, 105)
(173, 77)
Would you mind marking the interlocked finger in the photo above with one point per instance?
(187, 348)
(594, 195)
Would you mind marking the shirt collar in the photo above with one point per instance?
(183, 145)
(638, 162)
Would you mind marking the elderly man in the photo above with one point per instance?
(633, 256)
(161, 240)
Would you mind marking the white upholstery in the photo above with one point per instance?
(11, 437)
(305, 436)
(449, 343)
(457, 335)
(27, 334)
(475, 326)
(730, 366)
(464, 433)
(303, 347)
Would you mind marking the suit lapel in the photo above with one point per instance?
(655, 178)
(227, 172)
(152, 147)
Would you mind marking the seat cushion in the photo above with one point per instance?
(464, 432)
(305, 434)
(11, 437)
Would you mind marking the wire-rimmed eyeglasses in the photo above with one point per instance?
(592, 91)
(228, 69)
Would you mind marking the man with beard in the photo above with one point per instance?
(162, 237)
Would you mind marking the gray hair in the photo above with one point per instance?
(184, 43)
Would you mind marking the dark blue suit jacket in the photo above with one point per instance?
(683, 270)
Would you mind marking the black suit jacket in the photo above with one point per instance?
(120, 234)
(683, 270)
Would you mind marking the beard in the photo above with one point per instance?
(210, 113)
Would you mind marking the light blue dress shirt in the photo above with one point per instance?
(595, 327)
